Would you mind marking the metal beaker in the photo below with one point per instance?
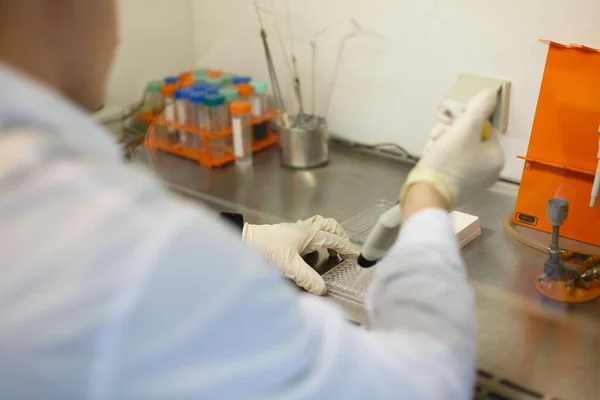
(305, 143)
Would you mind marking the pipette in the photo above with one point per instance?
(297, 86)
(313, 45)
(382, 237)
(386, 230)
(272, 73)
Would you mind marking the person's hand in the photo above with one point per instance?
(285, 244)
(447, 114)
(458, 162)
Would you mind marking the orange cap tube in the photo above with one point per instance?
(168, 90)
(245, 89)
(214, 73)
(240, 107)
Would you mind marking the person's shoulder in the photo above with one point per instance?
(42, 164)
(96, 212)
(92, 225)
(82, 238)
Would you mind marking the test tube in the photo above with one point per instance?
(168, 92)
(200, 78)
(186, 78)
(246, 91)
(242, 132)
(228, 79)
(182, 113)
(215, 73)
(241, 79)
(216, 119)
(210, 89)
(214, 81)
(230, 94)
(199, 86)
(259, 107)
(198, 118)
(171, 80)
(154, 102)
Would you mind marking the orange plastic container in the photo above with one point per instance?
(563, 149)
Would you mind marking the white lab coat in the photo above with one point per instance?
(110, 288)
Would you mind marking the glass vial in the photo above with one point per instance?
(259, 108)
(198, 120)
(154, 103)
(182, 114)
(168, 92)
(216, 119)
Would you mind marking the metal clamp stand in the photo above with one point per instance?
(557, 212)
(559, 282)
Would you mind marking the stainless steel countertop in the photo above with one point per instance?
(524, 340)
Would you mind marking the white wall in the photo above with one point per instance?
(388, 89)
(156, 40)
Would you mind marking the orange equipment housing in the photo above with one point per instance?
(563, 149)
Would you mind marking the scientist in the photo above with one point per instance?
(110, 288)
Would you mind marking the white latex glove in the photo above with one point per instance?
(458, 161)
(285, 244)
(449, 112)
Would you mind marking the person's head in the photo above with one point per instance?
(68, 44)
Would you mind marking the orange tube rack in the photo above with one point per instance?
(202, 154)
